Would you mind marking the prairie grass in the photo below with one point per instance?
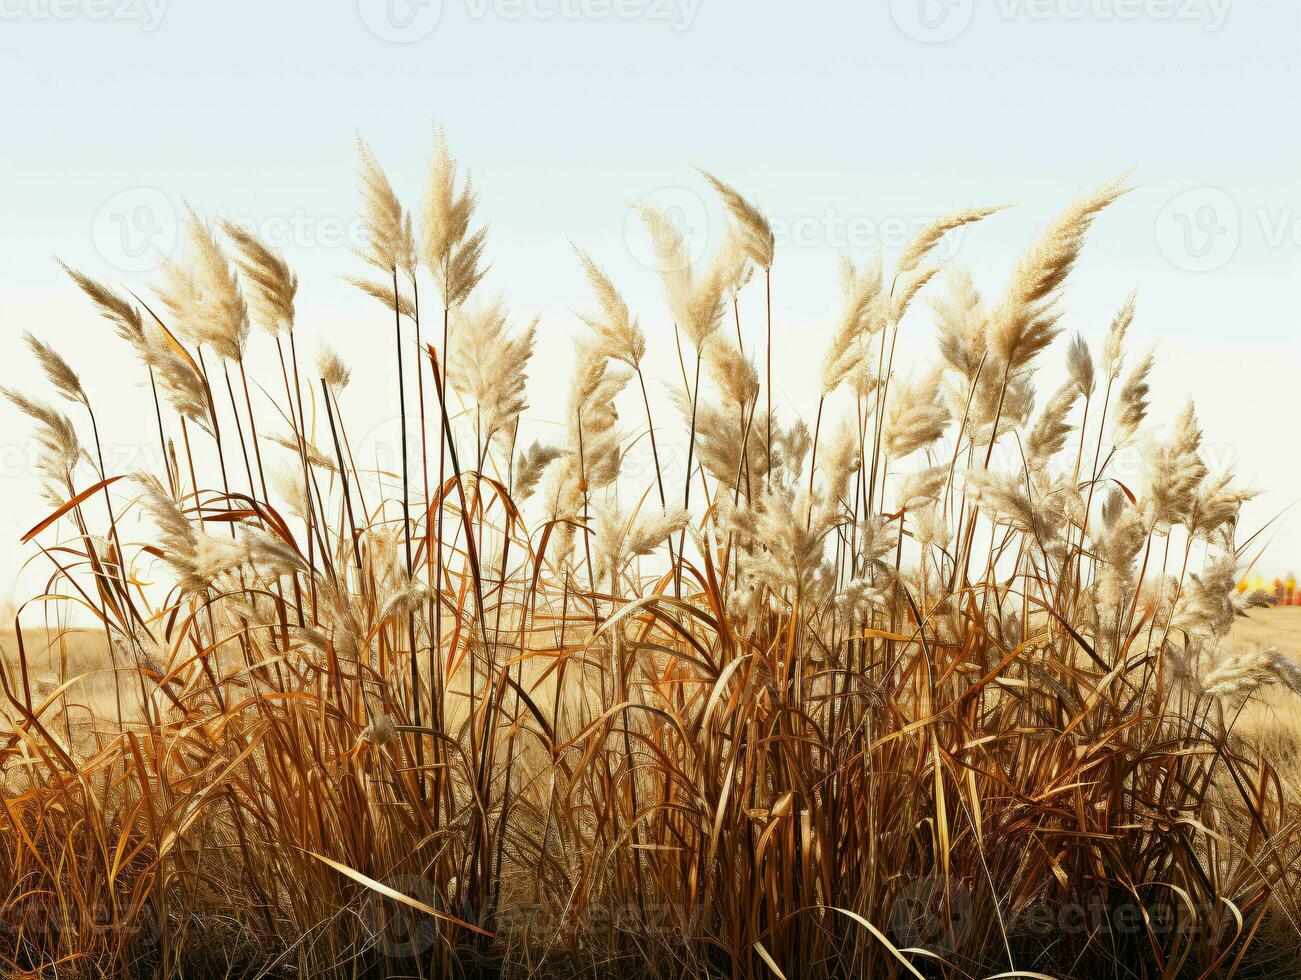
(922, 690)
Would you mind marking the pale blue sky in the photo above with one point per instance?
(849, 123)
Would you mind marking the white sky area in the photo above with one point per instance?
(850, 124)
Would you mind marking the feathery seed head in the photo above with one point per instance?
(387, 228)
(272, 286)
(1026, 321)
(332, 368)
(617, 334)
(203, 296)
(59, 372)
(752, 228)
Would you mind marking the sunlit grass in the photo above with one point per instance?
(903, 692)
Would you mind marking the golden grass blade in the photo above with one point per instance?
(397, 896)
(881, 938)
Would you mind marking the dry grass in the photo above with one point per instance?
(915, 691)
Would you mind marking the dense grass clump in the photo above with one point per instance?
(919, 689)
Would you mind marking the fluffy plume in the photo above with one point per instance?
(752, 228)
(389, 244)
(1051, 429)
(616, 333)
(197, 558)
(1206, 608)
(287, 481)
(1009, 406)
(1215, 512)
(400, 303)
(930, 528)
(1117, 543)
(59, 372)
(1005, 499)
(719, 441)
(915, 417)
(1113, 349)
(181, 383)
(696, 303)
(1026, 321)
(919, 487)
(784, 547)
(1240, 676)
(906, 289)
(621, 537)
(592, 456)
(124, 315)
(409, 596)
(1079, 365)
(734, 373)
(735, 267)
(963, 324)
(314, 456)
(332, 368)
(1131, 403)
(530, 466)
(839, 461)
(489, 364)
(272, 286)
(924, 241)
(1175, 471)
(57, 438)
(203, 295)
(861, 317)
(451, 252)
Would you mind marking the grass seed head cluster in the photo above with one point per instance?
(868, 693)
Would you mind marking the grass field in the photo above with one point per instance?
(916, 685)
(1272, 714)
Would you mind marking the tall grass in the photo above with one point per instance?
(926, 690)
